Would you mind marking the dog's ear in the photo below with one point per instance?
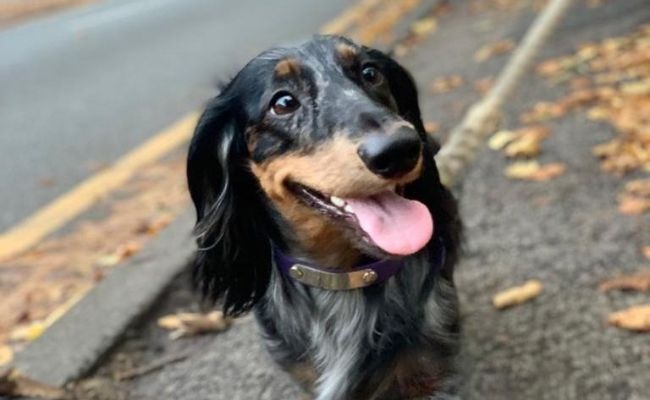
(233, 262)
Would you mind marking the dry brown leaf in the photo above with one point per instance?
(153, 227)
(13, 384)
(639, 281)
(638, 187)
(527, 143)
(6, 355)
(493, 49)
(122, 253)
(483, 85)
(518, 294)
(191, 324)
(431, 127)
(534, 171)
(646, 252)
(636, 318)
(447, 83)
(632, 205)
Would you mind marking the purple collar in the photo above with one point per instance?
(331, 279)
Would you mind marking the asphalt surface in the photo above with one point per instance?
(566, 232)
(82, 87)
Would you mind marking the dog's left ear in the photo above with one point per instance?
(405, 93)
(233, 262)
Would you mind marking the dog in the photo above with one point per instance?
(319, 206)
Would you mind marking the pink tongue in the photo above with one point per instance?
(397, 225)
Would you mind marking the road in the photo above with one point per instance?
(80, 88)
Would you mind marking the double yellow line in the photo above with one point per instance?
(63, 209)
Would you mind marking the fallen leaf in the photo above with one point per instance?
(632, 205)
(637, 88)
(191, 324)
(639, 281)
(14, 384)
(431, 127)
(128, 249)
(534, 171)
(28, 333)
(6, 355)
(636, 318)
(483, 85)
(500, 139)
(518, 294)
(424, 26)
(646, 252)
(123, 252)
(638, 187)
(154, 226)
(109, 260)
(447, 83)
(490, 50)
(527, 142)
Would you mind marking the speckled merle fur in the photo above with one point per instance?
(351, 339)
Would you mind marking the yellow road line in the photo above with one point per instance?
(63, 209)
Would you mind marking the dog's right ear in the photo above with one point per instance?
(233, 262)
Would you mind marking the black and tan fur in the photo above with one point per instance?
(251, 147)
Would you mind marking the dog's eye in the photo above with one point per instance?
(284, 103)
(371, 75)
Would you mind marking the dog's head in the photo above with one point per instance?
(319, 150)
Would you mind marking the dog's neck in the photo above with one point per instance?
(315, 239)
(326, 246)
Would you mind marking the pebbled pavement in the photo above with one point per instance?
(566, 232)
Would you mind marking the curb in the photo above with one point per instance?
(62, 355)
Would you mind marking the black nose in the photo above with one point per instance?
(391, 155)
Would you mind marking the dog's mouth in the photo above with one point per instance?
(383, 224)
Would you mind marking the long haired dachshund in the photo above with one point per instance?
(320, 207)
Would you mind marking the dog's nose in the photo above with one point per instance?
(392, 155)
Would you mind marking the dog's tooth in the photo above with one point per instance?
(337, 201)
(348, 209)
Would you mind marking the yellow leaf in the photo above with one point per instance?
(528, 142)
(424, 26)
(6, 355)
(500, 139)
(518, 294)
(28, 333)
(636, 88)
(635, 318)
(534, 171)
